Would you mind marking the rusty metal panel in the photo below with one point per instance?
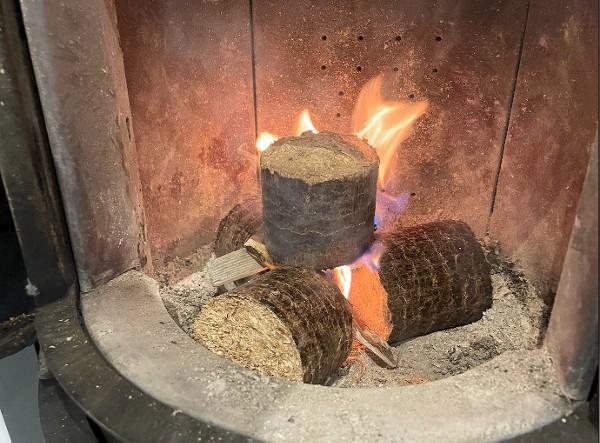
(573, 330)
(553, 123)
(79, 74)
(459, 55)
(189, 74)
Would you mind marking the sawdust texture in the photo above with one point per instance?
(317, 158)
(247, 332)
(315, 315)
(516, 321)
(319, 196)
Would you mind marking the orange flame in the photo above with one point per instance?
(385, 124)
(305, 123)
(264, 140)
(343, 279)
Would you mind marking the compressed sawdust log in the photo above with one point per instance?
(318, 194)
(289, 322)
(241, 222)
(432, 277)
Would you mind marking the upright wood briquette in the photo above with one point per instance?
(436, 277)
(289, 322)
(318, 194)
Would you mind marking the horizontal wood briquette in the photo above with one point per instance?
(289, 322)
(241, 222)
(433, 276)
(318, 195)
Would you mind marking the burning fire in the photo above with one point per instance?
(264, 140)
(342, 276)
(384, 124)
(305, 123)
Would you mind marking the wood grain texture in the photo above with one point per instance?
(436, 277)
(232, 267)
(552, 127)
(459, 55)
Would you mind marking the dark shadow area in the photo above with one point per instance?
(13, 277)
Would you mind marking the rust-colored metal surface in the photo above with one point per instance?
(552, 128)
(459, 55)
(189, 73)
(79, 73)
(573, 330)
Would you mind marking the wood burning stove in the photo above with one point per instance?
(131, 157)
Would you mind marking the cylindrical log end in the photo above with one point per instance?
(289, 322)
(318, 195)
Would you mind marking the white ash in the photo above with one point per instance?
(515, 321)
(184, 299)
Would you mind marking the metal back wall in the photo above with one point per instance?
(552, 127)
(459, 55)
(189, 68)
(189, 73)
(79, 74)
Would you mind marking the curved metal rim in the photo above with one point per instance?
(510, 395)
(120, 407)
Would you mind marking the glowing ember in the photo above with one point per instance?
(368, 299)
(385, 124)
(305, 124)
(264, 140)
(343, 278)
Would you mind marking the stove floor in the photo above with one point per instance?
(515, 321)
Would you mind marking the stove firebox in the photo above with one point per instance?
(428, 158)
